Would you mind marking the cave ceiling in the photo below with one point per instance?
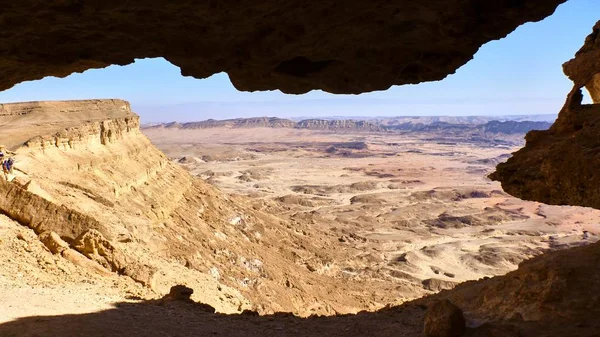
(342, 47)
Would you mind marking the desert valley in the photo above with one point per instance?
(410, 200)
(277, 225)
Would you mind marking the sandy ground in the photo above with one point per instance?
(36, 282)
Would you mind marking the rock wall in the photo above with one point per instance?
(91, 133)
(40, 214)
(77, 110)
(560, 166)
(23, 121)
(593, 87)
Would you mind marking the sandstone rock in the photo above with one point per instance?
(76, 258)
(88, 115)
(53, 242)
(143, 274)
(555, 289)
(93, 245)
(183, 293)
(295, 46)
(435, 284)
(180, 293)
(443, 319)
(33, 187)
(560, 166)
(247, 312)
(40, 214)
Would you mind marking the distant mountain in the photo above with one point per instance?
(473, 124)
(274, 122)
(254, 122)
(513, 127)
(506, 127)
(338, 124)
(394, 120)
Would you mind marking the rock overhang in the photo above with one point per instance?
(296, 46)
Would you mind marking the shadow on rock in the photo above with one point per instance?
(177, 315)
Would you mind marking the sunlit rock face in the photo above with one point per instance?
(593, 87)
(295, 46)
(561, 166)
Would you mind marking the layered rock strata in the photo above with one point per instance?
(106, 191)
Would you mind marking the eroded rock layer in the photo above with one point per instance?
(295, 46)
(560, 166)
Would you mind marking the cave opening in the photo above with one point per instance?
(316, 204)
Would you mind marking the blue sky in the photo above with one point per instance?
(520, 74)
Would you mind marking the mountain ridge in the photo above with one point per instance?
(393, 124)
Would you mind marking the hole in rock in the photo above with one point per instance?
(263, 202)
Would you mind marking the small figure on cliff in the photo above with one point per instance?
(2, 162)
(7, 166)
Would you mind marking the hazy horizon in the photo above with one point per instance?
(518, 75)
(193, 112)
(534, 118)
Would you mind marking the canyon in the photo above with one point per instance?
(328, 222)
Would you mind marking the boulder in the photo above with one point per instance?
(180, 293)
(79, 260)
(53, 242)
(95, 246)
(436, 285)
(183, 293)
(142, 274)
(443, 319)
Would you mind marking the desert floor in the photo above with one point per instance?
(418, 206)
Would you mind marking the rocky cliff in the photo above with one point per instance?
(102, 192)
(560, 166)
(22, 121)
